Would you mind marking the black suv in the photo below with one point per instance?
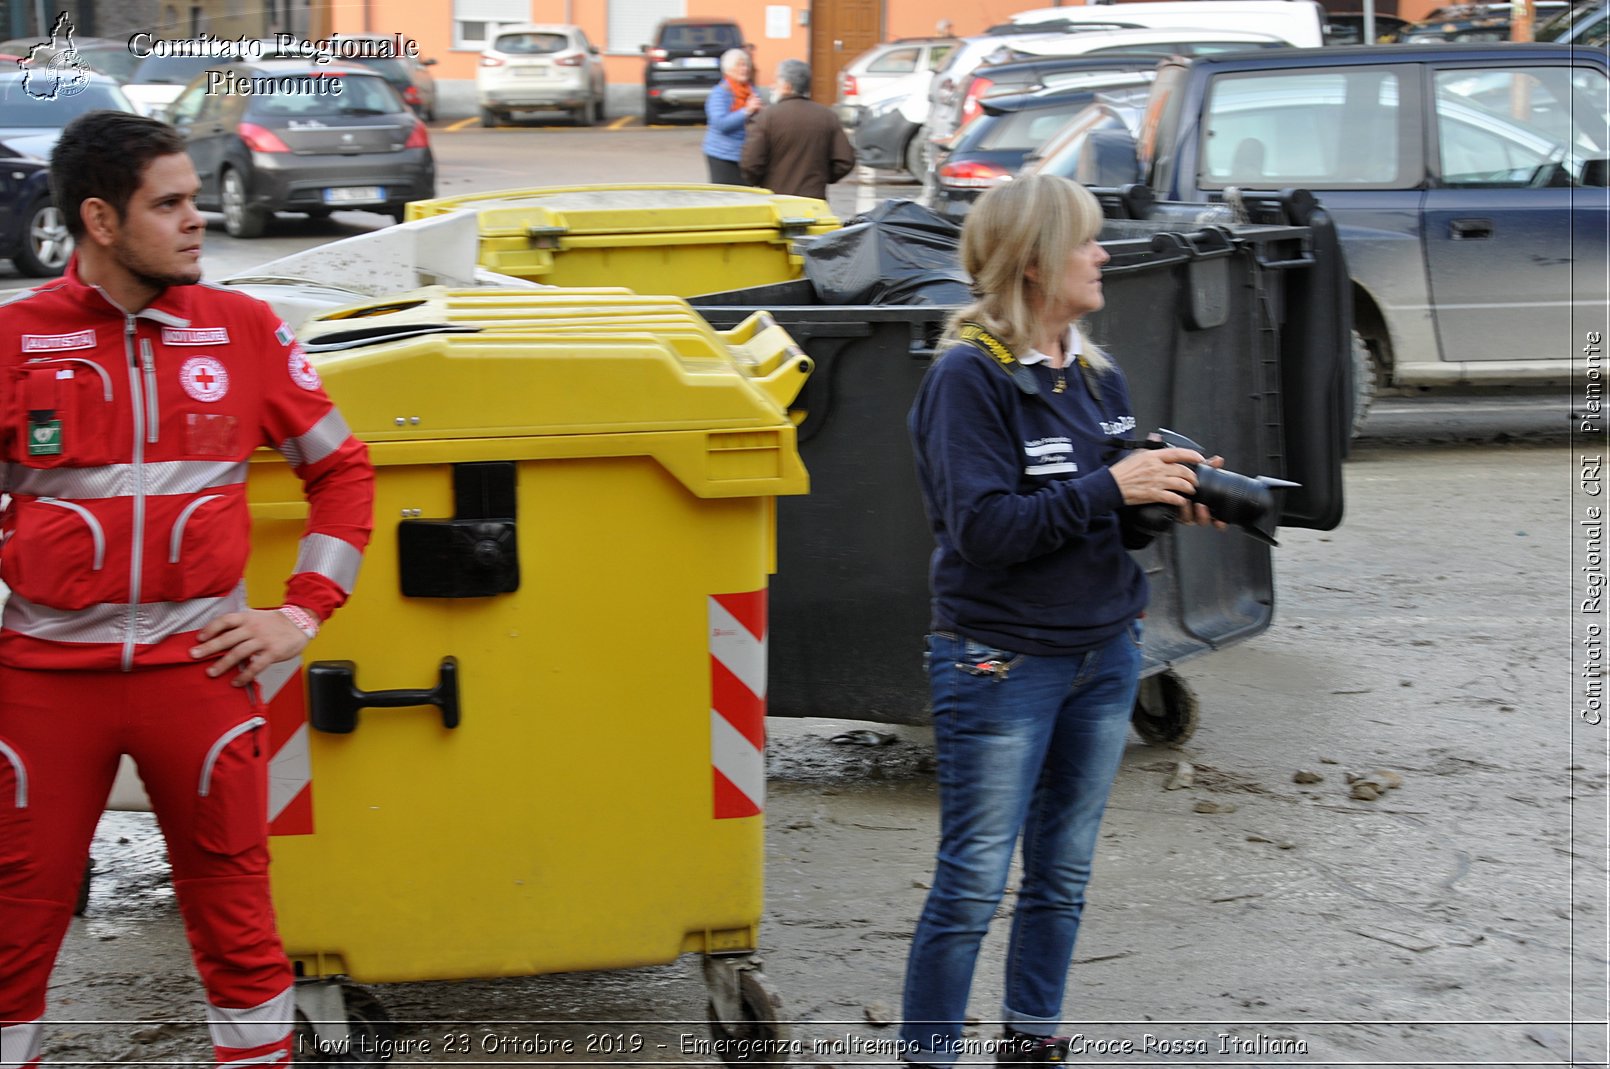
(684, 63)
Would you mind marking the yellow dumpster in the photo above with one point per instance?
(683, 240)
(550, 679)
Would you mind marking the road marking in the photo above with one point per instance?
(621, 122)
(456, 127)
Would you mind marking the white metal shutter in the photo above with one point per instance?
(632, 22)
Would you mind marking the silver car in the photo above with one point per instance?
(537, 67)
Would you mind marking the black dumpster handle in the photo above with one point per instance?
(333, 698)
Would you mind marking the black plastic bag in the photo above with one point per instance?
(898, 253)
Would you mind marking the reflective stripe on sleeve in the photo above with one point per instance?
(318, 441)
(20, 1043)
(254, 1026)
(109, 623)
(117, 480)
(330, 557)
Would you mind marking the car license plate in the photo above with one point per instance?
(355, 195)
(705, 62)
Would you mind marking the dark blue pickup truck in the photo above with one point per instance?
(1468, 183)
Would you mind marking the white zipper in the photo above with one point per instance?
(153, 417)
(138, 535)
(94, 525)
(22, 774)
(218, 747)
(179, 524)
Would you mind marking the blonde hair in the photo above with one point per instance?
(1034, 222)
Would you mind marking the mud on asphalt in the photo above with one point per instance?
(1245, 918)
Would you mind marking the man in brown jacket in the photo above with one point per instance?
(795, 145)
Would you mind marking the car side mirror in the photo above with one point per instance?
(643, 49)
(427, 63)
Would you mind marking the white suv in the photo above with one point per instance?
(537, 67)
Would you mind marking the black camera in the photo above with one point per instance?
(1248, 503)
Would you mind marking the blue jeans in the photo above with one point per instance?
(1034, 752)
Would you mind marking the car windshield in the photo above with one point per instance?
(18, 109)
(173, 70)
(530, 44)
(1019, 131)
(360, 95)
(392, 70)
(714, 36)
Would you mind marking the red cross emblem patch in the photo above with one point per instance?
(302, 372)
(204, 378)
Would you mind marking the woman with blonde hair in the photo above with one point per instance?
(726, 111)
(1034, 655)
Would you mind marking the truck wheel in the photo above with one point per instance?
(1165, 711)
(368, 1040)
(760, 1035)
(651, 112)
(583, 116)
(1364, 380)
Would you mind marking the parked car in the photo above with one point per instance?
(33, 231)
(159, 80)
(1347, 28)
(31, 125)
(1448, 31)
(411, 77)
(540, 66)
(1299, 22)
(104, 55)
(682, 65)
(1587, 23)
(884, 63)
(1474, 227)
(1024, 76)
(1171, 40)
(303, 151)
(990, 148)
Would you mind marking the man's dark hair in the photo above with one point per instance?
(104, 154)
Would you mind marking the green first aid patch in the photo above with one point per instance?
(44, 438)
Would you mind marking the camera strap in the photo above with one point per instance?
(976, 335)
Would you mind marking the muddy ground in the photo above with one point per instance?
(1246, 919)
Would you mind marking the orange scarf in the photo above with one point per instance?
(741, 92)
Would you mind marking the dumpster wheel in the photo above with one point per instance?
(366, 1038)
(746, 1012)
(1165, 711)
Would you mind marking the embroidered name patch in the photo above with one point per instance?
(195, 336)
(204, 378)
(302, 372)
(55, 343)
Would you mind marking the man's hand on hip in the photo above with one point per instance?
(251, 640)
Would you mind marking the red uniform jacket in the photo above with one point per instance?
(123, 445)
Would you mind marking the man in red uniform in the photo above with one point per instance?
(131, 396)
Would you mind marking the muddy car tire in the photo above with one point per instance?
(762, 1036)
(1166, 710)
(1365, 374)
(241, 219)
(916, 165)
(369, 1038)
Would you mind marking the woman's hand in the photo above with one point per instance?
(1161, 475)
(1197, 515)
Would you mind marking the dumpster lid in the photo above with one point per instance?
(638, 209)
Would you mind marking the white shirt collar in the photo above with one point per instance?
(1072, 343)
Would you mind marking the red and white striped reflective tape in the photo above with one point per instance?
(290, 771)
(738, 703)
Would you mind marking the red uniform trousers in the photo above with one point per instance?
(200, 745)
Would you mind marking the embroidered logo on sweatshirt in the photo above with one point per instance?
(1049, 456)
(195, 336)
(302, 372)
(204, 378)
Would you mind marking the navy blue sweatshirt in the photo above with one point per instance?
(1030, 556)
